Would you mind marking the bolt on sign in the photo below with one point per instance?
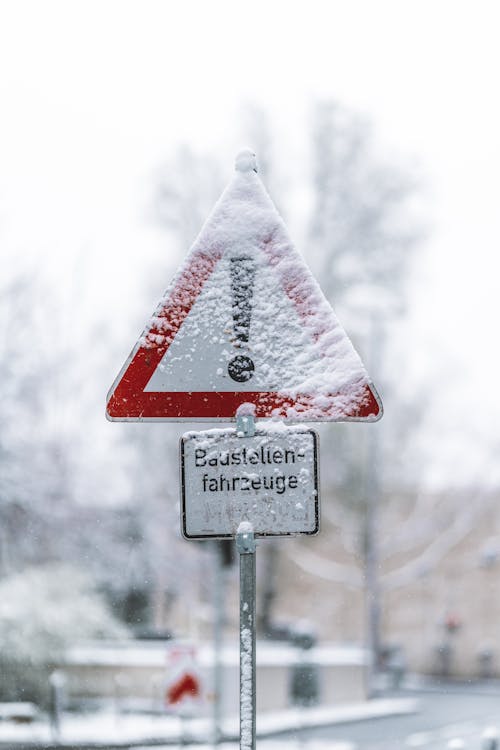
(269, 480)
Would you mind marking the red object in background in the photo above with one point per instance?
(186, 687)
(452, 623)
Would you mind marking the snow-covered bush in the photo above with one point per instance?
(43, 611)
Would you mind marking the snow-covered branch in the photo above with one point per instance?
(417, 529)
(345, 527)
(438, 548)
(328, 570)
(352, 577)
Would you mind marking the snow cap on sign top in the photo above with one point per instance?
(246, 161)
(244, 321)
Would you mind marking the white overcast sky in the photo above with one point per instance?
(95, 93)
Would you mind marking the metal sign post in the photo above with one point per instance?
(244, 483)
(292, 362)
(217, 644)
(245, 544)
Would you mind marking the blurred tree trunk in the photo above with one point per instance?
(362, 256)
(268, 591)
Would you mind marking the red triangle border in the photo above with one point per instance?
(128, 401)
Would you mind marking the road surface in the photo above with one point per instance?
(454, 712)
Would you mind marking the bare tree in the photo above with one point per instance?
(360, 242)
(186, 188)
(363, 233)
(361, 227)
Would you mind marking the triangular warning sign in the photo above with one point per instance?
(243, 322)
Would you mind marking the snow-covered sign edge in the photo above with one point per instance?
(127, 400)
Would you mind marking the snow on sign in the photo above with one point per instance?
(269, 480)
(243, 322)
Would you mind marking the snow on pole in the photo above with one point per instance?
(245, 544)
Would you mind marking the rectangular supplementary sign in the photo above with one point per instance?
(269, 480)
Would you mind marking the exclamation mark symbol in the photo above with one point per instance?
(241, 367)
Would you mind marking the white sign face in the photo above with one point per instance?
(269, 480)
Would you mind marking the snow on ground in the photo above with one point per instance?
(113, 727)
(150, 654)
(273, 745)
